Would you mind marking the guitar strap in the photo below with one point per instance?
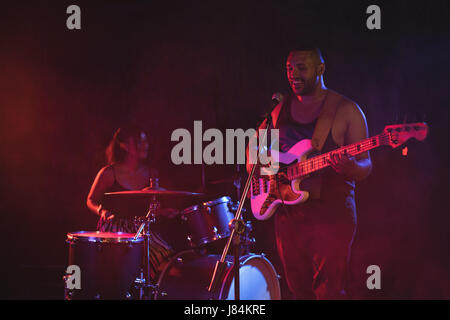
(325, 120)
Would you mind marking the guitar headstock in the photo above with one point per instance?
(397, 134)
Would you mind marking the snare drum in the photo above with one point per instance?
(109, 264)
(208, 222)
(188, 274)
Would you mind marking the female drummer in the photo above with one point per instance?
(126, 170)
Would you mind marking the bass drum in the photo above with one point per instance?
(188, 274)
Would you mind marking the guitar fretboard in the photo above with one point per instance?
(309, 166)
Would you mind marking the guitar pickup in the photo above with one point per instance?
(255, 186)
(265, 185)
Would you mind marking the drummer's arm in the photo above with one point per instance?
(103, 181)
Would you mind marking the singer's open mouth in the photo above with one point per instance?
(297, 84)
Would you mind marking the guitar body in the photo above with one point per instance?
(267, 193)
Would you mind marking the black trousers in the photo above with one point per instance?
(315, 255)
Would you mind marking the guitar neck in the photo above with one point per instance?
(309, 166)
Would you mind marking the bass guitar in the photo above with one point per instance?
(269, 191)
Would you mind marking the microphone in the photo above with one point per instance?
(276, 99)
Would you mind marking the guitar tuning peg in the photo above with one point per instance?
(405, 118)
(395, 117)
(405, 151)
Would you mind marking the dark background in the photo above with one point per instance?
(63, 94)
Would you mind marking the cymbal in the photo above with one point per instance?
(147, 192)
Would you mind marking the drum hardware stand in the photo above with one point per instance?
(144, 283)
(237, 227)
(237, 181)
(248, 240)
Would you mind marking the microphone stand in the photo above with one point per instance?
(237, 227)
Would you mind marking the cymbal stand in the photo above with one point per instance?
(144, 228)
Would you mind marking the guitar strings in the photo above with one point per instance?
(320, 162)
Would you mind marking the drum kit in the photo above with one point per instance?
(117, 265)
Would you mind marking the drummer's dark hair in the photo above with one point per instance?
(114, 152)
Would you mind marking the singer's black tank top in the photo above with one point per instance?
(332, 197)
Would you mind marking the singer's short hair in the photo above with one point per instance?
(315, 51)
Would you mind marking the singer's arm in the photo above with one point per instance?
(358, 167)
(277, 102)
(253, 143)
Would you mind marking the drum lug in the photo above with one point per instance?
(128, 296)
(65, 278)
(155, 290)
(215, 230)
(232, 206)
(180, 259)
(139, 282)
(68, 294)
(262, 254)
(189, 239)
